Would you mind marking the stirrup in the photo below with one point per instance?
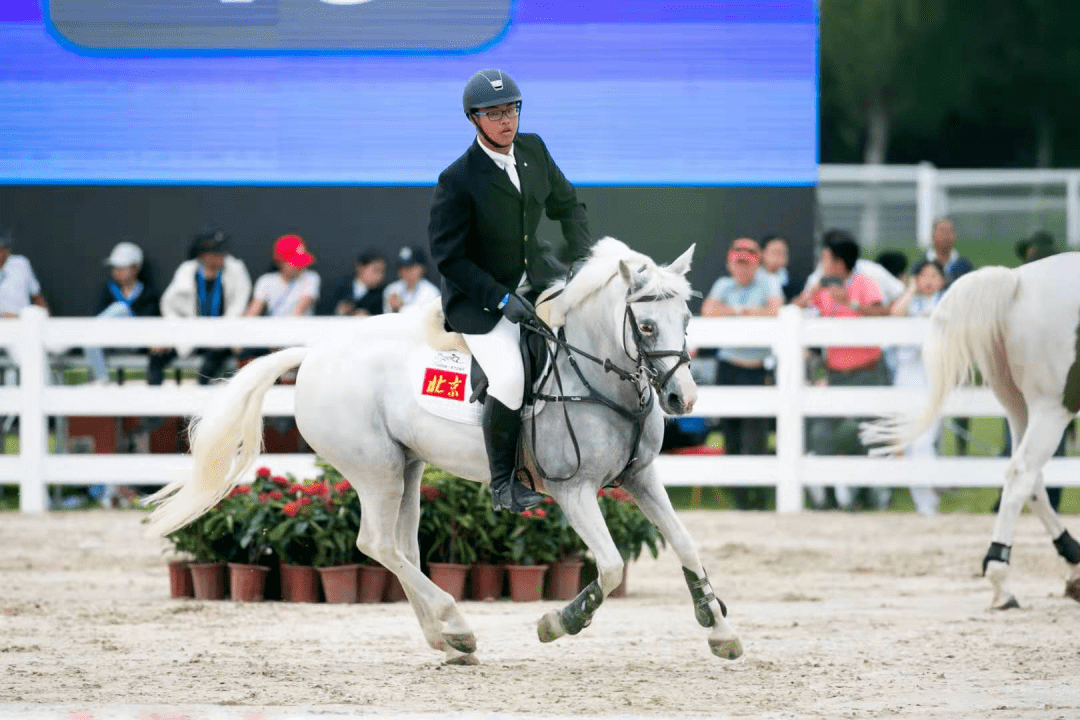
(520, 498)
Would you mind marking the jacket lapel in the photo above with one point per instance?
(498, 177)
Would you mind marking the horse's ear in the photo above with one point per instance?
(682, 263)
(626, 272)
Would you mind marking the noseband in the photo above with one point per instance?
(645, 378)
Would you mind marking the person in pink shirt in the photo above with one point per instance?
(844, 293)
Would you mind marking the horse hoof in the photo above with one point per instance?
(1072, 589)
(466, 659)
(728, 648)
(550, 627)
(462, 642)
(1009, 604)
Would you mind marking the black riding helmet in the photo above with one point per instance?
(488, 88)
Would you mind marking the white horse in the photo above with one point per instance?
(356, 407)
(1021, 329)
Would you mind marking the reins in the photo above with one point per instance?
(645, 390)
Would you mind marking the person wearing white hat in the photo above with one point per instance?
(123, 295)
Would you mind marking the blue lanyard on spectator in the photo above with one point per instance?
(208, 307)
(118, 294)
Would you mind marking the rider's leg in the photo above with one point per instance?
(498, 354)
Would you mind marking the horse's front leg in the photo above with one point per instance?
(711, 612)
(583, 512)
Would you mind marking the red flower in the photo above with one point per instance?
(280, 480)
(548, 500)
(264, 498)
(263, 472)
(290, 509)
(240, 490)
(540, 513)
(430, 493)
(601, 493)
(341, 487)
(296, 489)
(304, 501)
(276, 495)
(527, 514)
(316, 489)
(621, 495)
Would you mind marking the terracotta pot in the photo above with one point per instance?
(449, 577)
(339, 583)
(526, 582)
(208, 579)
(620, 591)
(299, 583)
(486, 582)
(247, 582)
(371, 582)
(564, 579)
(394, 591)
(180, 580)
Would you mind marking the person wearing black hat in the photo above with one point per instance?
(482, 231)
(411, 288)
(212, 283)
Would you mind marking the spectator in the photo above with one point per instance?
(361, 293)
(411, 287)
(1036, 247)
(895, 262)
(943, 250)
(924, 293)
(890, 287)
(123, 295)
(745, 293)
(292, 289)
(212, 283)
(774, 265)
(843, 292)
(19, 286)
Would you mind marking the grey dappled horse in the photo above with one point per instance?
(1021, 329)
(356, 408)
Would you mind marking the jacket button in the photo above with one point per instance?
(526, 238)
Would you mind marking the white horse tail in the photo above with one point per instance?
(226, 437)
(967, 331)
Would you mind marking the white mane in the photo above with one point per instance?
(600, 269)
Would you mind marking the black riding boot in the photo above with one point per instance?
(501, 429)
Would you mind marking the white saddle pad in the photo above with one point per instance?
(441, 384)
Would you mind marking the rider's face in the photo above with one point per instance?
(501, 131)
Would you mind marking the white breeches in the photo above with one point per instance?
(498, 353)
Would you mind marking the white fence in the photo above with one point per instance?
(791, 401)
(897, 204)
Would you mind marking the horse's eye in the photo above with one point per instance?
(647, 328)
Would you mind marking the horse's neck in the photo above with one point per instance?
(592, 328)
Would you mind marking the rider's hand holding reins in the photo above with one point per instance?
(516, 309)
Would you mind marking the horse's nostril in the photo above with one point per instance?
(673, 401)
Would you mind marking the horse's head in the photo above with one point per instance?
(654, 328)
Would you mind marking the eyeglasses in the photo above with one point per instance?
(497, 115)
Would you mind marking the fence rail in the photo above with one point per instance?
(791, 400)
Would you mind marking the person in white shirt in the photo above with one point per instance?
(292, 290)
(411, 288)
(19, 287)
(890, 286)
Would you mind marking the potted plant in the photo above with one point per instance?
(292, 538)
(205, 540)
(335, 523)
(487, 538)
(248, 516)
(447, 524)
(629, 528)
(533, 544)
(564, 575)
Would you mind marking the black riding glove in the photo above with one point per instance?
(516, 309)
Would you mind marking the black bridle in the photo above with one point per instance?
(645, 378)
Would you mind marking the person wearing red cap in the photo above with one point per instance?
(293, 289)
(744, 293)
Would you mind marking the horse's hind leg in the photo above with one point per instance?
(1066, 545)
(1046, 423)
(390, 512)
(651, 497)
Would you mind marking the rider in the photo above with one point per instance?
(484, 215)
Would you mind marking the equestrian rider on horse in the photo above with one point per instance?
(484, 215)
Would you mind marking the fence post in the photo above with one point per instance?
(925, 200)
(1072, 211)
(790, 381)
(33, 430)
